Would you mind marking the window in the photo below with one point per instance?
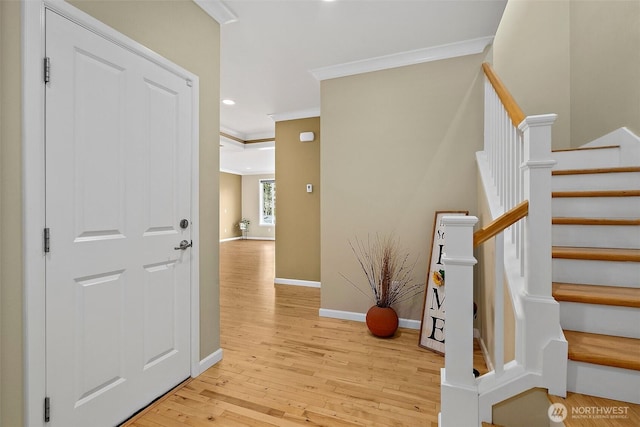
(267, 202)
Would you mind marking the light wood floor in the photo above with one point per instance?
(285, 366)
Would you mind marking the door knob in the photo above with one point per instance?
(183, 245)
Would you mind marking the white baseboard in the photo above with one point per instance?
(361, 317)
(230, 239)
(483, 347)
(210, 360)
(260, 238)
(409, 323)
(296, 282)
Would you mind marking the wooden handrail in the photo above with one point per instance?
(501, 223)
(510, 104)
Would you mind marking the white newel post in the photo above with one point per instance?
(542, 313)
(537, 189)
(459, 392)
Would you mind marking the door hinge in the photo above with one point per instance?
(47, 69)
(47, 409)
(47, 240)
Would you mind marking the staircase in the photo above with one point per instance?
(570, 262)
(596, 267)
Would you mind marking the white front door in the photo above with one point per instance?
(118, 173)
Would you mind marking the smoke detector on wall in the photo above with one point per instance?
(306, 136)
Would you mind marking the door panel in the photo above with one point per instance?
(100, 346)
(161, 109)
(99, 150)
(118, 149)
(159, 317)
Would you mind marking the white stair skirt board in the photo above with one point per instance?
(600, 319)
(296, 282)
(580, 159)
(596, 181)
(608, 273)
(210, 360)
(604, 381)
(485, 350)
(596, 207)
(597, 236)
(629, 145)
(361, 317)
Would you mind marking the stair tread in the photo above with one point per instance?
(604, 147)
(594, 221)
(608, 350)
(597, 294)
(595, 170)
(596, 254)
(596, 193)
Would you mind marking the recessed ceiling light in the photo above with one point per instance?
(228, 102)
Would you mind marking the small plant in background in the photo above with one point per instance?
(244, 227)
(387, 268)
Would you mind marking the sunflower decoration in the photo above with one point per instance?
(438, 277)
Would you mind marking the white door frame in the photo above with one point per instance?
(33, 186)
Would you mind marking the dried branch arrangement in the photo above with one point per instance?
(387, 269)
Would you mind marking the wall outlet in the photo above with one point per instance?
(309, 188)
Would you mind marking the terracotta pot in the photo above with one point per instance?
(382, 321)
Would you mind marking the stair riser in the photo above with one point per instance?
(604, 381)
(600, 181)
(596, 236)
(601, 158)
(600, 319)
(608, 273)
(596, 207)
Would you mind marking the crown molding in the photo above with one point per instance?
(294, 115)
(248, 173)
(260, 137)
(419, 56)
(226, 135)
(217, 10)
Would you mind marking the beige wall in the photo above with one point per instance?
(527, 409)
(484, 290)
(230, 205)
(251, 206)
(579, 59)
(396, 146)
(298, 212)
(11, 373)
(605, 68)
(178, 30)
(531, 56)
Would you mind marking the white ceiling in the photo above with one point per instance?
(247, 159)
(273, 50)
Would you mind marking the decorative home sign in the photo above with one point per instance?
(432, 332)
